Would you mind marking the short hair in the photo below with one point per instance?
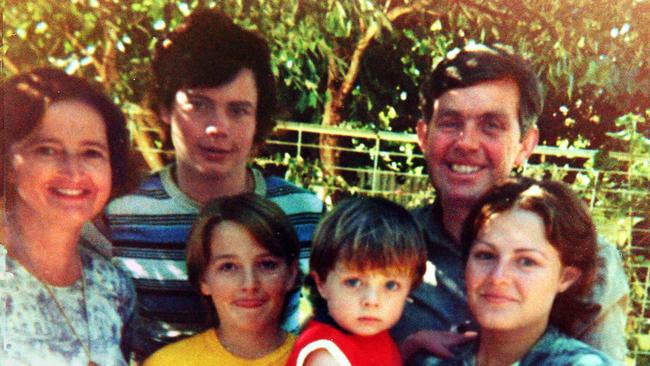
(477, 64)
(263, 219)
(568, 227)
(26, 97)
(367, 233)
(208, 50)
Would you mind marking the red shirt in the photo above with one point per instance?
(376, 350)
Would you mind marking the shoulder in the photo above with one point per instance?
(611, 281)
(318, 342)
(291, 198)
(150, 189)
(556, 348)
(324, 357)
(181, 352)
(156, 195)
(104, 274)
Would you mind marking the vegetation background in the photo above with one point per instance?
(357, 64)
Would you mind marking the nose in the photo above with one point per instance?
(71, 166)
(216, 124)
(370, 297)
(250, 280)
(500, 272)
(469, 137)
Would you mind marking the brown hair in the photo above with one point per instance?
(367, 233)
(26, 97)
(568, 227)
(207, 51)
(476, 64)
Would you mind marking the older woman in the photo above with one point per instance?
(64, 149)
(531, 254)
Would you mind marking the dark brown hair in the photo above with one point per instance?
(367, 233)
(263, 219)
(568, 227)
(26, 97)
(477, 64)
(208, 50)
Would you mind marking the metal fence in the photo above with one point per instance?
(389, 164)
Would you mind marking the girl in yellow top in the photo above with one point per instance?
(242, 255)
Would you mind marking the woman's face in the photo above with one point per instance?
(61, 169)
(513, 273)
(246, 282)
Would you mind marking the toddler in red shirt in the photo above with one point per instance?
(367, 256)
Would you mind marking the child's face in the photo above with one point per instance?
(247, 283)
(514, 275)
(364, 303)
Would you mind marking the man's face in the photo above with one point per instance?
(473, 140)
(212, 129)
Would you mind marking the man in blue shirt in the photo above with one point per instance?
(480, 108)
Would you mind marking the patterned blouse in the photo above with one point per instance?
(33, 330)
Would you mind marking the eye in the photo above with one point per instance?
(527, 262)
(491, 123)
(238, 111)
(352, 282)
(227, 267)
(449, 122)
(483, 255)
(94, 154)
(199, 104)
(392, 285)
(269, 264)
(45, 150)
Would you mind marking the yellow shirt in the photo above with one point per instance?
(206, 349)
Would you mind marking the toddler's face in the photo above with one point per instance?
(364, 303)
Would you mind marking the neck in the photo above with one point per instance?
(453, 217)
(47, 249)
(251, 344)
(202, 188)
(503, 348)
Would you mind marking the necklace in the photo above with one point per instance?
(86, 347)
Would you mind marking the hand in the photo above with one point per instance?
(437, 343)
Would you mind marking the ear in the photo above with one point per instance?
(293, 275)
(165, 115)
(528, 143)
(205, 289)
(422, 130)
(568, 277)
(319, 284)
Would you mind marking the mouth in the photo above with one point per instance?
(464, 168)
(214, 153)
(497, 298)
(369, 319)
(249, 303)
(69, 192)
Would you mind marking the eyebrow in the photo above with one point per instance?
(197, 94)
(448, 112)
(48, 140)
(518, 250)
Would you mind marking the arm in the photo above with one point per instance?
(321, 357)
(437, 343)
(322, 352)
